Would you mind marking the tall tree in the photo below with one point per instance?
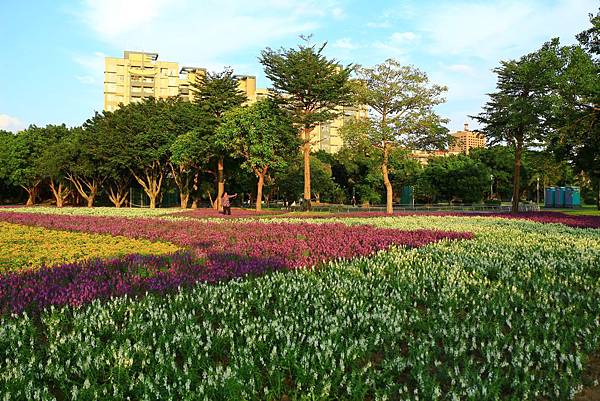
(87, 170)
(109, 160)
(518, 112)
(55, 159)
(191, 148)
(215, 94)
(401, 101)
(150, 130)
(455, 178)
(576, 118)
(311, 87)
(190, 157)
(23, 156)
(263, 135)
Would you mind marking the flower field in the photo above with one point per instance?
(509, 312)
(23, 247)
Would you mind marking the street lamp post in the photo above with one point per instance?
(491, 186)
(537, 191)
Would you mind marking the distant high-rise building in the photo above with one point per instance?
(466, 140)
(140, 75)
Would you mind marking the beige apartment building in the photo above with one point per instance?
(140, 75)
(466, 140)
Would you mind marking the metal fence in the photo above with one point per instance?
(523, 207)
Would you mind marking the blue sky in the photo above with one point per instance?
(52, 51)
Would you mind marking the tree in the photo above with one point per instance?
(24, 152)
(6, 189)
(262, 134)
(150, 130)
(401, 101)
(87, 170)
(518, 111)
(191, 148)
(215, 94)
(576, 118)
(455, 178)
(109, 157)
(289, 179)
(54, 161)
(310, 86)
(500, 161)
(190, 153)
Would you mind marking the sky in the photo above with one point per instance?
(52, 51)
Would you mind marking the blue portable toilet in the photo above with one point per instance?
(576, 197)
(549, 197)
(568, 197)
(559, 197)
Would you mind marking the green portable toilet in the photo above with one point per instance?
(407, 195)
(549, 198)
(576, 197)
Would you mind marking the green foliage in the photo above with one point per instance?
(308, 84)
(261, 134)
(576, 117)
(23, 156)
(289, 181)
(57, 154)
(454, 178)
(402, 100)
(518, 112)
(217, 92)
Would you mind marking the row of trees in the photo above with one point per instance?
(550, 98)
(546, 100)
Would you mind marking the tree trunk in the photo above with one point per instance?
(60, 193)
(195, 190)
(152, 182)
(184, 200)
(306, 151)
(32, 193)
(91, 184)
(389, 192)
(259, 190)
(117, 196)
(182, 181)
(220, 185)
(517, 178)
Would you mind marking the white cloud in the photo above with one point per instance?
(338, 13)
(502, 29)
(203, 33)
(403, 37)
(345, 43)
(10, 123)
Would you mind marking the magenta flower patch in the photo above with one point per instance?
(215, 252)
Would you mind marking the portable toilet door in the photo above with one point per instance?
(549, 197)
(576, 197)
(568, 197)
(559, 197)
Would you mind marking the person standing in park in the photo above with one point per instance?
(226, 204)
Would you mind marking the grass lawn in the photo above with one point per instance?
(584, 210)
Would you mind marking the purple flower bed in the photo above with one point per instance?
(215, 252)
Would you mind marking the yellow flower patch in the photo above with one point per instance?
(24, 247)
